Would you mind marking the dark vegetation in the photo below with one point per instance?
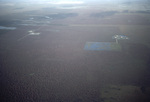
(6, 22)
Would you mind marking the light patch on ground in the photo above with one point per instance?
(31, 32)
(7, 28)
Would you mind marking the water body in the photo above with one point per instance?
(7, 28)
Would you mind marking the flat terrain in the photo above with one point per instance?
(43, 59)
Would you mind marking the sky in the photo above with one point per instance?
(74, 1)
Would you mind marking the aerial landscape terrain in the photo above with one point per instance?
(67, 51)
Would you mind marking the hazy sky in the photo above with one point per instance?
(77, 0)
(86, 1)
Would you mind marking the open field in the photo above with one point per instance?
(43, 59)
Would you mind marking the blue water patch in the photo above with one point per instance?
(7, 28)
(102, 46)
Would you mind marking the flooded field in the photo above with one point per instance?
(43, 56)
